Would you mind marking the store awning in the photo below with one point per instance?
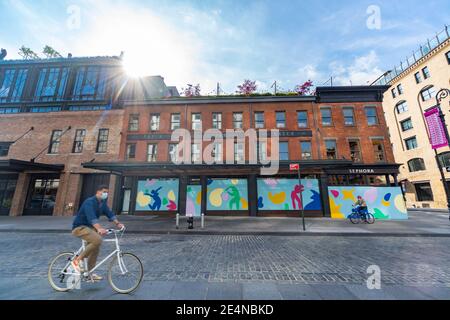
(17, 166)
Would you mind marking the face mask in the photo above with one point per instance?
(104, 195)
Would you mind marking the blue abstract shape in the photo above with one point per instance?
(387, 197)
(209, 182)
(260, 203)
(316, 204)
(157, 202)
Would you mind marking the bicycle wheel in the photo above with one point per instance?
(355, 218)
(61, 275)
(125, 274)
(370, 219)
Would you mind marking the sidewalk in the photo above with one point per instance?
(420, 224)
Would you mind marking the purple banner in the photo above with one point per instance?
(438, 138)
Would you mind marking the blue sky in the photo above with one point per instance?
(227, 41)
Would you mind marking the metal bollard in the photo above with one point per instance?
(191, 223)
(178, 221)
(203, 221)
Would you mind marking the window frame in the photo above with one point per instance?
(404, 105)
(302, 151)
(55, 142)
(418, 77)
(335, 149)
(287, 153)
(133, 122)
(196, 124)
(322, 118)
(102, 142)
(352, 152)
(382, 152)
(411, 139)
(412, 165)
(260, 124)
(217, 120)
(128, 154)
(78, 143)
(152, 158)
(376, 116)
(421, 197)
(409, 120)
(306, 119)
(236, 121)
(353, 123)
(175, 122)
(426, 73)
(431, 93)
(153, 124)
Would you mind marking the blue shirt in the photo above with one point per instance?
(90, 213)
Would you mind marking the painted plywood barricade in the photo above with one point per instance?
(194, 201)
(285, 195)
(157, 195)
(384, 203)
(227, 195)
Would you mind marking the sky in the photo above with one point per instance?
(226, 41)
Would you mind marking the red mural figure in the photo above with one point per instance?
(295, 196)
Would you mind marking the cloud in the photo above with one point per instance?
(362, 71)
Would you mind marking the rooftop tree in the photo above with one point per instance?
(304, 89)
(247, 88)
(49, 52)
(27, 53)
(192, 91)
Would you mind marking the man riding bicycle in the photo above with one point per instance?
(86, 226)
(361, 206)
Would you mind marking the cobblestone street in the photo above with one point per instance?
(243, 267)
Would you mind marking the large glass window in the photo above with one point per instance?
(355, 150)
(51, 84)
(284, 151)
(131, 151)
(349, 117)
(260, 121)
(239, 152)
(327, 119)
(372, 116)
(415, 165)
(90, 83)
(281, 119)
(7, 189)
(302, 119)
(175, 121)
(43, 196)
(12, 85)
(217, 120)
(306, 149)
(411, 143)
(331, 148)
(102, 144)
(45, 109)
(406, 125)
(378, 149)
(55, 142)
(424, 192)
(79, 141)
(133, 123)
(444, 158)
(9, 110)
(196, 121)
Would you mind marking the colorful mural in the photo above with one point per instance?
(227, 195)
(384, 203)
(194, 201)
(284, 195)
(157, 195)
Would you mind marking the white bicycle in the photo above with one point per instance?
(125, 272)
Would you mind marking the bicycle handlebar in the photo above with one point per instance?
(114, 231)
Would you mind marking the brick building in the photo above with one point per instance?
(55, 115)
(338, 137)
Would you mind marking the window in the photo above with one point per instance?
(90, 108)
(12, 85)
(378, 149)
(331, 148)
(400, 89)
(402, 107)
(447, 55)
(217, 152)
(262, 152)
(133, 123)
(173, 152)
(281, 119)
(406, 125)
(302, 119)
(238, 120)
(7, 189)
(79, 141)
(196, 153)
(260, 121)
(55, 142)
(327, 119)
(102, 144)
(284, 151)
(152, 153)
(45, 109)
(349, 117)
(51, 84)
(239, 152)
(217, 121)
(196, 121)
(372, 117)
(306, 149)
(131, 151)
(90, 84)
(175, 121)
(415, 165)
(426, 73)
(411, 143)
(428, 94)
(444, 158)
(155, 122)
(355, 150)
(394, 93)
(424, 192)
(418, 77)
(4, 148)
(9, 110)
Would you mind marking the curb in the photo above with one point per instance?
(274, 234)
